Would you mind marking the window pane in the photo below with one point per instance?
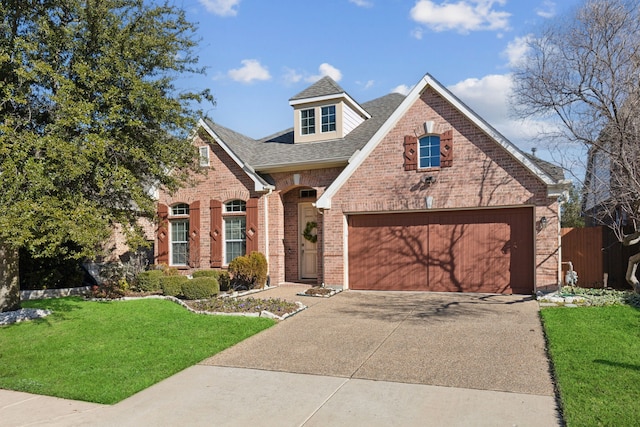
(179, 242)
(307, 121)
(235, 206)
(180, 209)
(429, 151)
(235, 237)
(329, 118)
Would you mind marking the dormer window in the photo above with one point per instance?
(308, 121)
(329, 118)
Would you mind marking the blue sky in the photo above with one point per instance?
(260, 53)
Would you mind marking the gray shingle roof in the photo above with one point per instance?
(278, 150)
(554, 171)
(323, 87)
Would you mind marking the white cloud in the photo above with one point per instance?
(548, 9)
(516, 50)
(221, 7)
(250, 71)
(361, 3)
(417, 33)
(463, 16)
(489, 98)
(291, 76)
(326, 70)
(402, 89)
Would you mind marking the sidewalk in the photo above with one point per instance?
(208, 395)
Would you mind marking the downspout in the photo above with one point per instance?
(266, 232)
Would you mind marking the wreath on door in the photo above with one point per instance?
(311, 225)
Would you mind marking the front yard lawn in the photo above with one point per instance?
(596, 358)
(104, 352)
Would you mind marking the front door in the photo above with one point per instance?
(307, 217)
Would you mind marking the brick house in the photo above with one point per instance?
(411, 192)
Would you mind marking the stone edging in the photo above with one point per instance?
(54, 293)
(263, 313)
(330, 294)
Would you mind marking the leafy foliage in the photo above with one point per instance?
(249, 271)
(149, 281)
(172, 285)
(572, 210)
(200, 288)
(90, 120)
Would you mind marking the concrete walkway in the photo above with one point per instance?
(358, 358)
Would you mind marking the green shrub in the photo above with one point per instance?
(206, 273)
(172, 285)
(224, 280)
(248, 272)
(149, 281)
(200, 288)
(259, 268)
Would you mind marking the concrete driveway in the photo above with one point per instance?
(473, 341)
(355, 359)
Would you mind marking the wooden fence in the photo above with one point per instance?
(597, 256)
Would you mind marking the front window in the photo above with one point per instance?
(179, 232)
(308, 121)
(329, 118)
(179, 242)
(235, 223)
(429, 151)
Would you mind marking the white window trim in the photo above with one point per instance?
(172, 222)
(335, 119)
(302, 127)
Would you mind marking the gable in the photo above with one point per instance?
(401, 123)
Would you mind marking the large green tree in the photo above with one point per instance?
(90, 118)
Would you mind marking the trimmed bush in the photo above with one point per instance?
(200, 288)
(206, 273)
(224, 280)
(149, 281)
(248, 272)
(172, 285)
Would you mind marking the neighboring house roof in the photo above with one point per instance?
(555, 187)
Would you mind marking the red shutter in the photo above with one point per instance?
(252, 225)
(194, 234)
(162, 234)
(216, 233)
(446, 149)
(410, 153)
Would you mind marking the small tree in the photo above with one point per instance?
(584, 71)
(571, 214)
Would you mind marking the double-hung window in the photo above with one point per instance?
(308, 121)
(329, 118)
(235, 223)
(429, 152)
(179, 224)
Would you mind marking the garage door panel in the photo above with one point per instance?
(386, 254)
(470, 251)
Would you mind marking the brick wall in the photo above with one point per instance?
(483, 175)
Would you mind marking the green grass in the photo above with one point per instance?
(596, 358)
(106, 351)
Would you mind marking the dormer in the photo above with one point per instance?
(324, 111)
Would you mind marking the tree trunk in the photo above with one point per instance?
(9, 283)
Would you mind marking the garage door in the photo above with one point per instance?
(488, 250)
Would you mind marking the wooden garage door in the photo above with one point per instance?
(487, 250)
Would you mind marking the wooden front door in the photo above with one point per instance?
(308, 250)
